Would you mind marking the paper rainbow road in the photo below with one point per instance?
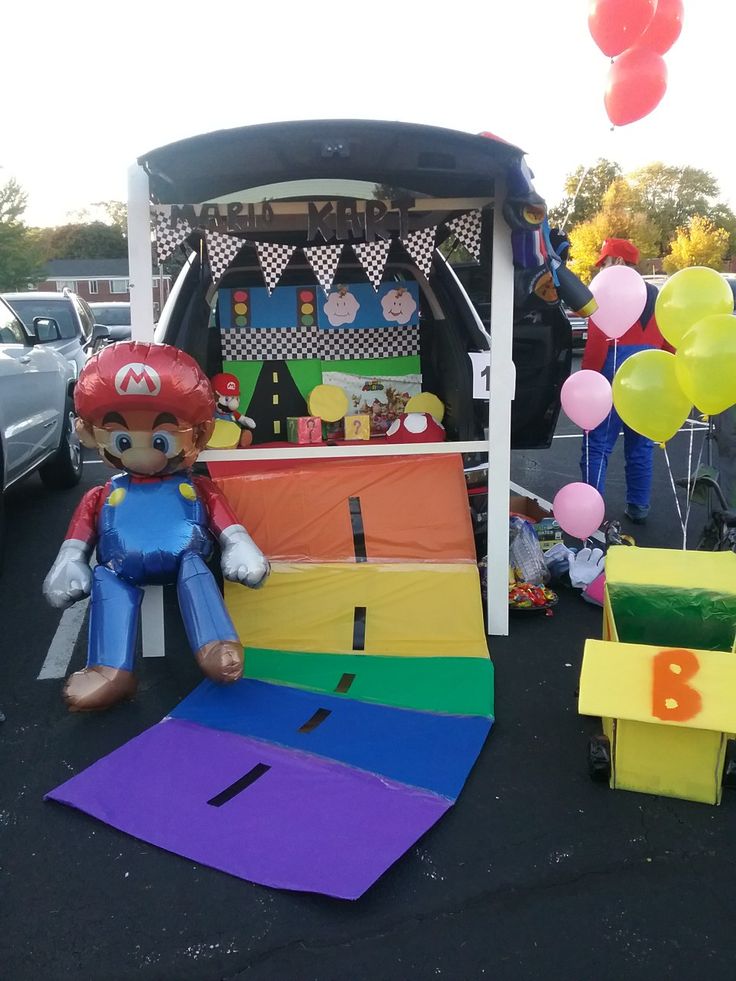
(368, 692)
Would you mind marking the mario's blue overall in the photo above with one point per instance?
(151, 531)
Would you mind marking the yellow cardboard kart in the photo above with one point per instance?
(663, 679)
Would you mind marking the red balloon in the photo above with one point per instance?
(636, 83)
(616, 25)
(665, 27)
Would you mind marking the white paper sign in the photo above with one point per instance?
(481, 361)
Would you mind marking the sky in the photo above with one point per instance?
(88, 87)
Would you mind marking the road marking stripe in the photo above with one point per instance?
(62, 646)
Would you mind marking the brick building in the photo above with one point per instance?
(99, 280)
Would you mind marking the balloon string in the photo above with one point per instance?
(587, 457)
(690, 475)
(677, 499)
(608, 425)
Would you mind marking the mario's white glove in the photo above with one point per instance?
(70, 577)
(242, 560)
(585, 566)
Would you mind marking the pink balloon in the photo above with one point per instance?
(579, 509)
(587, 398)
(621, 295)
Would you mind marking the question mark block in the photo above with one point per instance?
(667, 712)
(304, 429)
(358, 426)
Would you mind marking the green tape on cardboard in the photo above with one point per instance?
(377, 367)
(695, 618)
(451, 685)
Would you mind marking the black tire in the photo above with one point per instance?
(64, 469)
(599, 759)
(729, 767)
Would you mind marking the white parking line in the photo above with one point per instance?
(62, 646)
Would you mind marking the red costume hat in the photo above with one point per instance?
(136, 375)
(226, 384)
(619, 248)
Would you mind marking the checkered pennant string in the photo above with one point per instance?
(274, 259)
(221, 250)
(372, 256)
(323, 260)
(168, 238)
(420, 246)
(467, 229)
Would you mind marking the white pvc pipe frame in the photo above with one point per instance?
(502, 383)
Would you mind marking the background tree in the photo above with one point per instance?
(584, 190)
(93, 240)
(700, 243)
(113, 213)
(671, 196)
(21, 261)
(618, 217)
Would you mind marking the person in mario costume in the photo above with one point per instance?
(601, 354)
(149, 410)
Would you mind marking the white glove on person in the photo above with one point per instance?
(70, 577)
(585, 566)
(242, 560)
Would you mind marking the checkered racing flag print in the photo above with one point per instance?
(372, 256)
(420, 246)
(168, 238)
(274, 258)
(467, 228)
(324, 260)
(221, 250)
(300, 343)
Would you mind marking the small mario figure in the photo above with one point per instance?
(148, 409)
(227, 393)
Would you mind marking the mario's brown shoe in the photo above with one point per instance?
(98, 687)
(221, 660)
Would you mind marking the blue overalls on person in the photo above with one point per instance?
(152, 532)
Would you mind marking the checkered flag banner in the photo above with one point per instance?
(168, 238)
(221, 250)
(273, 258)
(420, 246)
(372, 256)
(467, 229)
(324, 259)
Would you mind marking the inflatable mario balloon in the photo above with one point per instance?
(148, 409)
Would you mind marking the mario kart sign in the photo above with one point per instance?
(149, 410)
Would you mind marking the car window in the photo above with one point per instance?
(11, 329)
(86, 316)
(60, 310)
(112, 316)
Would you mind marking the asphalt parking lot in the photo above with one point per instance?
(536, 872)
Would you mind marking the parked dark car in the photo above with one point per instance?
(115, 316)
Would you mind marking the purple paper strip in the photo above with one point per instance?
(273, 816)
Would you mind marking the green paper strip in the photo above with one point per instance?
(694, 618)
(451, 685)
(409, 364)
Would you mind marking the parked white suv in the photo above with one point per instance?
(36, 406)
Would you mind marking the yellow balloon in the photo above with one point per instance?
(647, 395)
(705, 363)
(426, 402)
(689, 296)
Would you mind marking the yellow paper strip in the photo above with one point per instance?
(694, 689)
(418, 609)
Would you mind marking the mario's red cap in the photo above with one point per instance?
(225, 384)
(619, 248)
(134, 375)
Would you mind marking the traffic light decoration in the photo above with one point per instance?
(306, 306)
(240, 308)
